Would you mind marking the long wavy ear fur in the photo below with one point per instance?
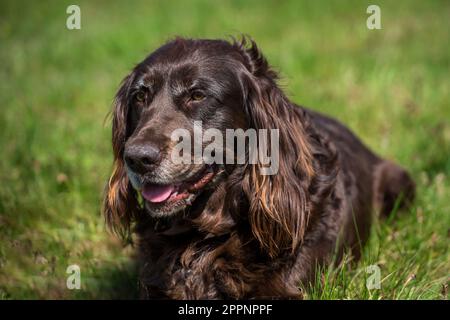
(120, 205)
(278, 204)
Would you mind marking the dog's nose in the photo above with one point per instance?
(142, 158)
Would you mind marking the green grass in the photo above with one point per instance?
(391, 86)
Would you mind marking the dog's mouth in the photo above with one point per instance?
(164, 194)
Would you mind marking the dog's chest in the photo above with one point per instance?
(211, 271)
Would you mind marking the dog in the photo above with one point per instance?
(226, 230)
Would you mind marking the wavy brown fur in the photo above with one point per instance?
(250, 235)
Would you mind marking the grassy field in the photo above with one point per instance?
(391, 86)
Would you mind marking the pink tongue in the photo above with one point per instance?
(156, 193)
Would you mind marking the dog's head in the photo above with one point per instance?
(220, 85)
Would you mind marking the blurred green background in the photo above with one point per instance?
(391, 86)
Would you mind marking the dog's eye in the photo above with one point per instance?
(140, 96)
(197, 96)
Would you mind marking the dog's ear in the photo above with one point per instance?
(278, 202)
(120, 204)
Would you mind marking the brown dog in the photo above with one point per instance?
(216, 230)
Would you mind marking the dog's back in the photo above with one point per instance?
(372, 184)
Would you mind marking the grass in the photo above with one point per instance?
(391, 86)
